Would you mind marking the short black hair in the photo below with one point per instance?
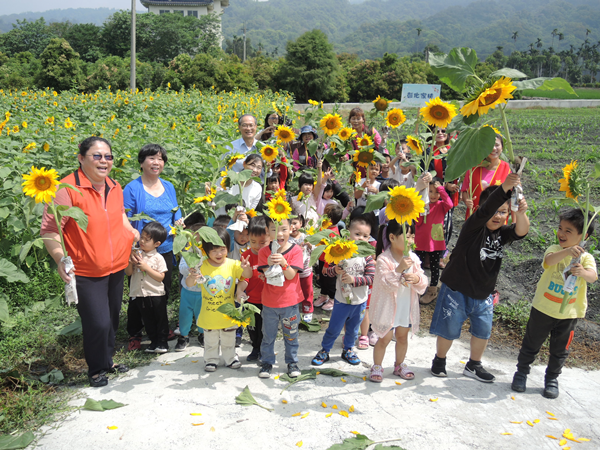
(194, 218)
(334, 212)
(366, 219)
(575, 217)
(257, 226)
(88, 142)
(222, 221)
(223, 234)
(300, 218)
(269, 221)
(392, 227)
(438, 179)
(273, 179)
(305, 178)
(328, 186)
(156, 231)
(388, 184)
(151, 150)
(253, 157)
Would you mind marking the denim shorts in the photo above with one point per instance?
(453, 308)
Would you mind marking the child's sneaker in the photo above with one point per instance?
(182, 344)
(321, 358)
(201, 340)
(254, 355)
(519, 382)
(350, 357)
(151, 348)
(320, 301)
(438, 367)
(161, 349)
(265, 371)
(210, 367)
(550, 388)
(308, 317)
(328, 305)
(293, 370)
(236, 364)
(135, 343)
(474, 369)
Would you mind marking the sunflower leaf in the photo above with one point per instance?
(208, 234)
(376, 201)
(318, 237)
(223, 198)
(246, 399)
(73, 329)
(305, 375)
(313, 326)
(470, 149)
(545, 84)
(316, 253)
(192, 259)
(8, 442)
(455, 67)
(358, 442)
(11, 272)
(513, 74)
(77, 215)
(364, 249)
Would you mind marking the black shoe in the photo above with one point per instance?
(151, 348)
(201, 340)
(118, 368)
(476, 370)
(551, 388)
(254, 355)
(99, 381)
(293, 370)
(438, 367)
(182, 344)
(265, 370)
(162, 348)
(238, 341)
(519, 382)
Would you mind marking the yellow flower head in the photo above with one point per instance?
(381, 103)
(339, 250)
(395, 118)
(310, 231)
(438, 113)
(314, 103)
(325, 223)
(300, 195)
(29, 146)
(46, 146)
(269, 153)
(346, 133)
(49, 121)
(40, 184)
(251, 213)
(16, 129)
(285, 134)
(205, 198)
(364, 141)
(279, 209)
(331, 124)
(68, 123)
(225, 182)
(571, 183)
(363, 157)
(357, 176)
(414, 144)
(233, 159)
(489, 97)
(198, 117)
(281, 194)
(24, 124)
(404, 205)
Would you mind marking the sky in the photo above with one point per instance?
(9, 7)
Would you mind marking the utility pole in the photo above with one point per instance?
(244, 59)
(132, 65)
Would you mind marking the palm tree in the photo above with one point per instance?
(587, 31)
(554, 33)
(539, 43)
(418, 34)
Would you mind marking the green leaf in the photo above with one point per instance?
(8, 442)
(312, 147)
(246, 399)
(358, 442)
(70, 186)
(15, 222)
(364, 249)
(53, 302)
(78, 215)
(179, 243)
(316, 254)
(140, 216)
(223, 198)
(73, 329)
(102, 405)
(4, 213)
(508, 72)
(545, 84)
(471, 147)
(310, 374)
(192, 259)
(313, 326)
(597, 170)
(376, 201)
(4, 315)
(455, 67)
(318, 237)
(208, 234)
(55, 376)
(11, 272)
(25, 250)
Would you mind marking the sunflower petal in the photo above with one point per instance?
(112, 427)
(328, 415)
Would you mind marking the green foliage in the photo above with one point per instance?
(513, 315)
(247, 399)
(101, 405)
(16, 442)
(61, 66)
(26, 36)
(475, 144)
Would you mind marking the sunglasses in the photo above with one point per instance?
(441, 131)
(99, 157)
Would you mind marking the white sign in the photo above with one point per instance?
(415, 95)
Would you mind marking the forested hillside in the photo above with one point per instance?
(97, 16)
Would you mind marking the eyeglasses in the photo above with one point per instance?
(99, 157)
(501, 213)
(247, 125)
(441, 131)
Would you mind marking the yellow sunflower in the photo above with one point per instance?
(46, 146)
(339, 250)
(381, 103)
(225, 182)
(281, 194)
(285, 134)
(571, 182)
(233, 159)
(269, 153)
(49, 121)
(346, 133)
(279, 209)
(314, 103)
(363, 157)
(300, 195)
(489, 97)
(40, 184)
(68, 123)
(310, 231)
(325, 223)
(206, 198)
(438, 113)
(357, 176)
(364, 141)
(331, 124)
(251, 213)
(414, 144)
(395, 118)
(199, 117)
(404, 205)
(496, 130)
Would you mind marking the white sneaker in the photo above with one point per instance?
(308, 317)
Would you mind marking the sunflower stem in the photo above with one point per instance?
(509, 146)
(58, 219)
(405, 240)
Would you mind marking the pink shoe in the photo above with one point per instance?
(373, 338)
(320, 301)
(328, 305)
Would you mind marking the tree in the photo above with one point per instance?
(86, 40)
(418, 35)
(310, 68)
(26, 37)
(554, 34)
(61, 66)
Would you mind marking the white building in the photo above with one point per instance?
(185, 7)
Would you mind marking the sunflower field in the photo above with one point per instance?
(43, 128)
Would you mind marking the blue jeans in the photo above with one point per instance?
(289, 318)
(452, 309)
(189, 308)
(344, 314)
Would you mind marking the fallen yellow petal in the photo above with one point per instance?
(566, 448)
(112, 427)
(529, 423)
(536, 421)
(516, 421)
(196, 424)
(334, 407)
(284, 401)
(364, 378)
(552, 418)
(305, 415)
(324, 405)
(354, 432)
(512, 396)
(584, 439)
(328, 415)
(343, 413)
(398, 383)
(549, 413)
(297, 414)
(462, 362)
(195, 361)
(343, 380)
(195, 414)
(562, 442)
(212, 428)
(551, 437)
(506, 434)
(351, 409)
(299, 444)
(276, 377)
(433, 399)
(318, 373)
(567, 431)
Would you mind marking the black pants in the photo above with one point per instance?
(539, 326)
(434, 264)
(327, 283)
(99, 306)
(448, 226)
(255, 332)
(135, 324)
(154, 315)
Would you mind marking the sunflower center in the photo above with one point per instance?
(268, 151)
(365, 157)
(490, 97)
(394, 119)
(279, 208)
(439, 112)
(331, 123)
(337, 250)
(42, 183)
(402, 205)
(283, 134)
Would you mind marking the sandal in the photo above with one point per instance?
(363, 343)
(376, 375)
(401, 370)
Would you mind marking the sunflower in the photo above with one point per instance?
(225, 182)
(279, 209)
(438, 113)
(346, 133)
(489, 97)
(571, 182)
(300, 195)
(49, 121)
(251, 213)
(357, 176)
(285, 134)
(281, 194)
(206, 198)
(269, 153)
(496, 130)
(414, 144)
(68, 123)
(331, 124)
(232, 160)
(404, 205)
(395, 118)
(314, 103)
(339, 250)
(46, 146)
(363, 157)
(198, 117)
(381, 103)
(310, 231)
(40, 184)
(364, 141)
(325, 223)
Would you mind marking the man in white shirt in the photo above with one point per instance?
(245, 144)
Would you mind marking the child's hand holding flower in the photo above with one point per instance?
(348, 279)
(411, 278)
(522, 206)
(276, 258)
(511, 181)
(406, 263)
